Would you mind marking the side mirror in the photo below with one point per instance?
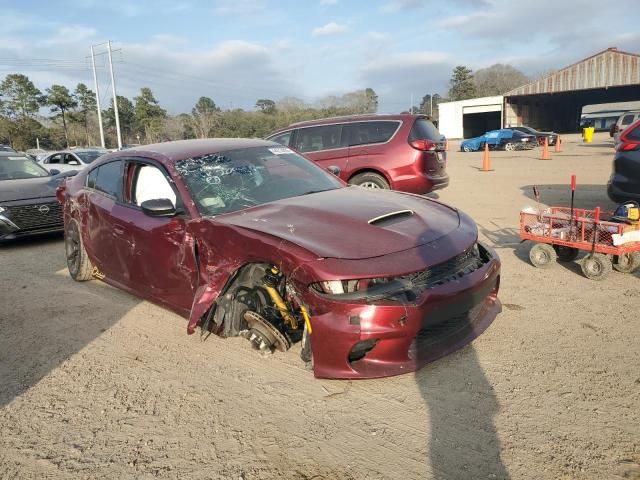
(54, 171)
(334, 169)
(158, 207)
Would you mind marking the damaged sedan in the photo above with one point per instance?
(248, 238)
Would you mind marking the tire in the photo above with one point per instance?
(627, 263)
(566, 254)
(369, 180)
(466, 148)
(542, 255)
(78, 262)
(596, 266)
(509, 147)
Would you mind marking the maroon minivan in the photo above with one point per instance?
(403, 152)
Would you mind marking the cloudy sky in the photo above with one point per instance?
(237, 51)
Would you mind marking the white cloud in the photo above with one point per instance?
(328, 2)
(71, 34)
(331, 28)
(398, 5)
(376, 36)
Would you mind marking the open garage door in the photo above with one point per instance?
(475, 124)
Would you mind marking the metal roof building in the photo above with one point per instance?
(553, 102)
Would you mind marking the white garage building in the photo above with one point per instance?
(470, 118)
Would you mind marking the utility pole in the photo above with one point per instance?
(115, 97)
(95, 84)
(411, 108)
(431, 106)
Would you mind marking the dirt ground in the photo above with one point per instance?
(95, 383)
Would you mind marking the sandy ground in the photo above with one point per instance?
(95, 383)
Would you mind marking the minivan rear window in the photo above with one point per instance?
(423, 129)
(362, 133)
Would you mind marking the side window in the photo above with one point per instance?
(362, 133)
(150, 183)
(91, 178)
(57, 158)
(283, 138)
(626, 120)
(324, 137)
(109, 178)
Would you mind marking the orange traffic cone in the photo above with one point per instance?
(545, 150)
(446, 145)
(486, 161)
(558, 148)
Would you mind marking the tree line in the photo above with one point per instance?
(74, 121)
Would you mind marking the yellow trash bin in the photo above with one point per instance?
(587, 134)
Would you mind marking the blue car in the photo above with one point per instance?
(503, 139)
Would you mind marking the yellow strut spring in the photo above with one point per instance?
(282, 307)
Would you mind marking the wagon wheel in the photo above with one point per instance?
(510, 147)
(596, 266)
(542, 255)
(566, 254)
(627, 263)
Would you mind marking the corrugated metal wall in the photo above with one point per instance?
(605, 69)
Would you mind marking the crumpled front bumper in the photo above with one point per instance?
(407, 336)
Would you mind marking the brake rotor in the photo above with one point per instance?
(263, 334)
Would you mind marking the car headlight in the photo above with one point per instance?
(2, 209)
(339, 287)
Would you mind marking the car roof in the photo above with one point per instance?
(181, 149)
(352, 118)
(13, 155)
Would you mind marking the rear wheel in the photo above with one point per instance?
(627, 263)
(78, 261)
(466, 148)
(370, 180)
(542, 255)
(510, 147)
(596, 266)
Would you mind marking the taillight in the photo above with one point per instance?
(423, 145)
(627, 147)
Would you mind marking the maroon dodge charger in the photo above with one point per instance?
(248, 238)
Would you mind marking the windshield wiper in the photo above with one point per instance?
(314, 191)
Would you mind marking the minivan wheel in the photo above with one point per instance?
(369, 180)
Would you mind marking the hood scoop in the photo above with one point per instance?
(390, 217)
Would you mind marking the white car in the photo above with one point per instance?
(68, 160)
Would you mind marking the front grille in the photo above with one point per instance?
(32, 217)
(437, 333)
(454, 268)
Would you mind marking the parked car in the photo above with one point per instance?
(28, 205)
(624, 183)
(6, 148)
(402, 152)
(623, 122)
(540, 136)
(68, 160)
(503, 139)
(248, 238)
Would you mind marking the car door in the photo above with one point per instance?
(157, 252)
(71, 162)
(103, 190)
(324, 145)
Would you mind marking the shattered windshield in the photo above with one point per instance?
(230, 181)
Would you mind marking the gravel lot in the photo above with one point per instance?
(95, 383)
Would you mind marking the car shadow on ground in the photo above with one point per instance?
(586, 196)
(462, 404)
(50, 327)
